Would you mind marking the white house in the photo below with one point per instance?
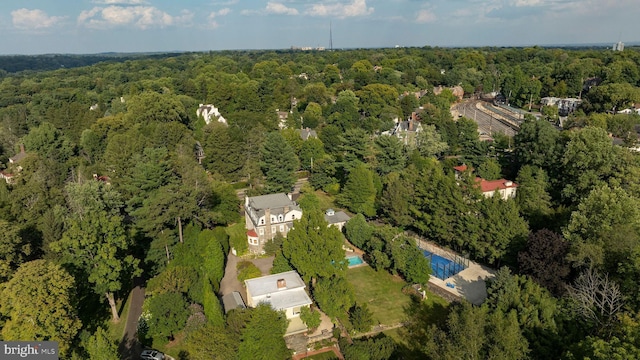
(267, 215)
(337, 219)
(210, 112)
(284, 291)
(506, 188)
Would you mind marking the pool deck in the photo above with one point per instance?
(469, 284)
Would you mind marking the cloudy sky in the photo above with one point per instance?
(94, 26)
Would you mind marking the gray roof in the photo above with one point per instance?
(307, 133)
(232, 301)
(274, 202)
(292, 295)
(338, 217)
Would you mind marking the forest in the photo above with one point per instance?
(111, 176)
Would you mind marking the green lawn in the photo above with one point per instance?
(116, 331)
(382, 293)
(326, 200)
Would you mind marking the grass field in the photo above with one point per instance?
(383, 295)
(329, 355)
(381, 292)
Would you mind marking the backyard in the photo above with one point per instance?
(382, 293)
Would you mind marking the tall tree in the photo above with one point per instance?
(544, 259)
(95, 239)
(390, 156)
(359, 193)
(38, 304)
(313, 248)
(262, 338)
(278, 163)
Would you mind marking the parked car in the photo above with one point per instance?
(151, 354)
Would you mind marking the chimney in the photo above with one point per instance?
(282, 284)
(411, 125)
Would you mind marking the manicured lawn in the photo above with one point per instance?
(382, 293)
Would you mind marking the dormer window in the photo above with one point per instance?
(261, 221)
(280, 218)
(293, 216)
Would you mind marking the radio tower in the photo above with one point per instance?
(330, 37)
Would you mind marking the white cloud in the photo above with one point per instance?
(425, 16)
(26, 19)
(281, 9)
(143, 17)
(211, 19)
(341, 9)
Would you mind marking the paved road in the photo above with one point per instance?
(129, 347)
(487, 121)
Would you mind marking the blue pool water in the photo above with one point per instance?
(354, 260)
(442, 268)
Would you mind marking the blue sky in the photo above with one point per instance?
(94, 26)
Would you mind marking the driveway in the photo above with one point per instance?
(230, 282)
(130, 347)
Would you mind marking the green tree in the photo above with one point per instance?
(358, 232)
(211, 342)
(95, 239)
(223, 151)
(169, 314)
(13, 249)
(537, 143)
(279, 163)
(100, 346)
(334, 296)
(262, 338)
(38, 303)
(533, 197)
(429, 142)
(390, 156)
(361, 317)
(359, 193)
(313, 248)
(489, 169)
(591, 229)
(312, 150)
(501, 229)
(310, 317)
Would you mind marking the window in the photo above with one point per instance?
(281, 228)
(293, 216)
(261, 231)
(253, 241)
(296, 310)
(280, 218)
(273, 229)
(262, 221)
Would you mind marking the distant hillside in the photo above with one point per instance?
(18, 63)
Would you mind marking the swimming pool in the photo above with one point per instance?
(442, 268)
(354, 260)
